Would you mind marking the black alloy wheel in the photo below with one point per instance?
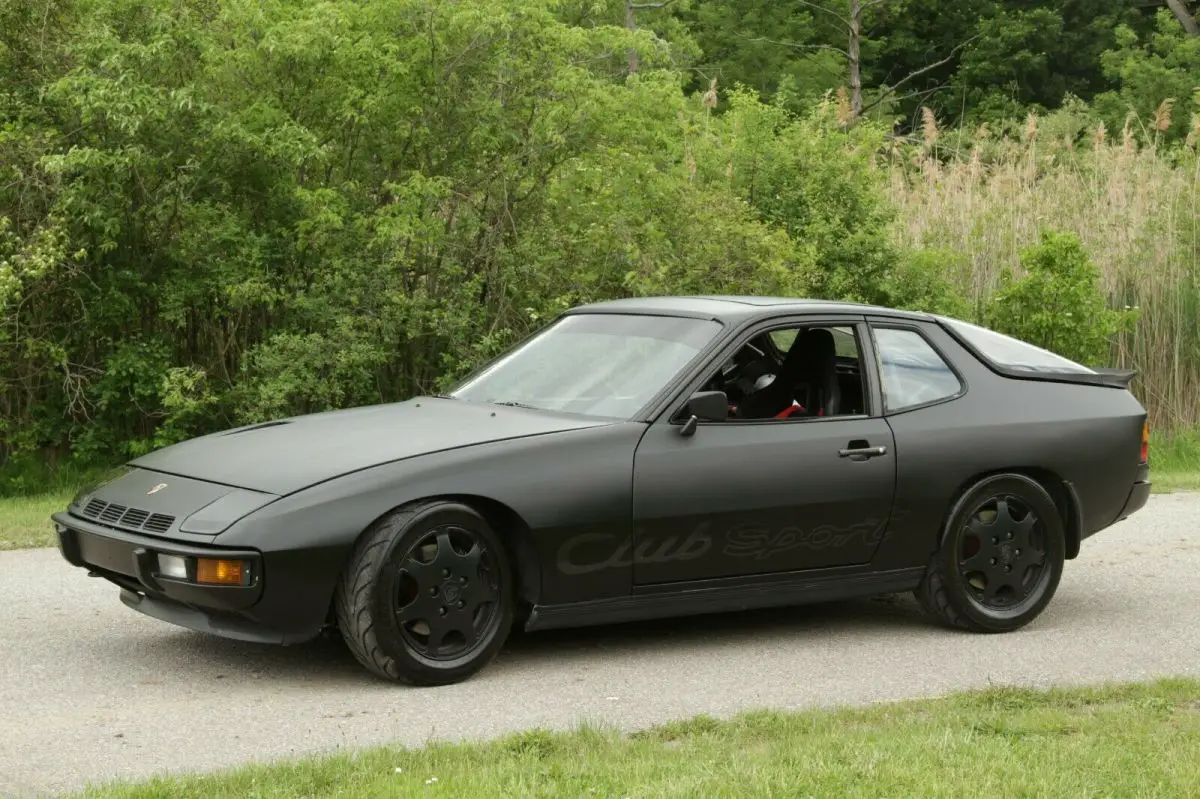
(426, 597)
(1002, 554)
(1001, 557)
(444, 593)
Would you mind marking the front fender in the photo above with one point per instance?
(559, 485)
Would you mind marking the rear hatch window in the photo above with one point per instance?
(1012, 354)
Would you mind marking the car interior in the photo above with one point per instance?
(794, 373)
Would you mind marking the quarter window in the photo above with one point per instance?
(911, 370)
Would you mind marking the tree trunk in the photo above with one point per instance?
(856, 98)
(631, 23)
(1180, 10)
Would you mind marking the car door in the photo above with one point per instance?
(747, 497)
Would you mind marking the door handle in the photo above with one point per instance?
(862, 453)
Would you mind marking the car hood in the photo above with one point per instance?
(284, 456)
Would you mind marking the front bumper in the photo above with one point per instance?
(130, 561)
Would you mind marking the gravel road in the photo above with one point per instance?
(91, 691)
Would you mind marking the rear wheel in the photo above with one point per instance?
(426, 598)
(1001, 557)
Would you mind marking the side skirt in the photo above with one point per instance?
(692, 601)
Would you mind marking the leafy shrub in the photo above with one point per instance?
(1058, 303)
(922, 281)
(818, 182)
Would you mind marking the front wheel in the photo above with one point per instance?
(1001, 557)
(426, 598)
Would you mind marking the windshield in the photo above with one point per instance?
(1013, 353)
(606, 365)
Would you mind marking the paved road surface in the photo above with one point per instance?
(90, 690)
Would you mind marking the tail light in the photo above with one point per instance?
(1145, 442)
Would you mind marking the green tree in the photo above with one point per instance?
(1161, 66)
(766, 46)
(240, 210)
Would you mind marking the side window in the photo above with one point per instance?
(911, 370)
(776, 375)
(844, 341)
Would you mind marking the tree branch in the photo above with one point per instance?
(918, 73)
(793, 45)
(641, 6)
(818, 7)
(1180, 10)
(872, 4)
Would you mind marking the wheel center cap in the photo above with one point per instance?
(451, 591)
(1006, 554)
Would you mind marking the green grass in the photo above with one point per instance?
(1175, 462)
(25, 521)
(1125, 740)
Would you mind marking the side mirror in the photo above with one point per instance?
(707, 406)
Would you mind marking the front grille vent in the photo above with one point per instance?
(159, 523)
(135, 519)
(112, 513)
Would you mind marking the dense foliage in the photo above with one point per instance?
(219, 211)
(1060, 283)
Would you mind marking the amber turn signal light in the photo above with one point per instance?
(211, 571)
(1146, 441)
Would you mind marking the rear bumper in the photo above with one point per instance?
(1138, 498)
(1139, 495)
(130, 561)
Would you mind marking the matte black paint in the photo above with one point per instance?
(611, 520)
(1084, 435)
(797, 504)
(284, 458)
(700, 598)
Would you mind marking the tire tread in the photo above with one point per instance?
(354, 597)
(933, 592)
(935, 599)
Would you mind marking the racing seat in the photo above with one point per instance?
(811, 360)
(822, 392)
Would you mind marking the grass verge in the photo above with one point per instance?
(25, 521)
(1122, 740)
(1175, 463)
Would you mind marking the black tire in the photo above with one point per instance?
(427, 622)
(1001, 557)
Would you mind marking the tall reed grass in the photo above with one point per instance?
(1136, 207)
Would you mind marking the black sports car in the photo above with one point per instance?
(637, 458)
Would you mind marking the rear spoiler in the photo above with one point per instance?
(1108, 378)
(1117, 378)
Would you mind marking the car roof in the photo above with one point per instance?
(738, 308)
